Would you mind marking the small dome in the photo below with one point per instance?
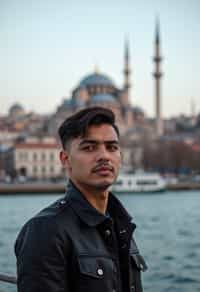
(16, 110)
(16, 106)
(96, 79)
(103, 97)
(138, 110)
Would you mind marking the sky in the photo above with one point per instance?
(48, 46)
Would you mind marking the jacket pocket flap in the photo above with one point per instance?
(139, 262)
(90, 266)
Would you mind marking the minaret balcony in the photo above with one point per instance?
(157, 74)
(157, 59)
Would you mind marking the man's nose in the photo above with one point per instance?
(103, 153)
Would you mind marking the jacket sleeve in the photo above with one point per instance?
(42, 263)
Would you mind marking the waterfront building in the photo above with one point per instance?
(37, 158)
(8, 136)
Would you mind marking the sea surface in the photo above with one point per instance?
(168, 236)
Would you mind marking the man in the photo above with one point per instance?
(83, 243)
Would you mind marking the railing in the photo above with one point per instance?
(8, 279)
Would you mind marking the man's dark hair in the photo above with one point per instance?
(77, 125)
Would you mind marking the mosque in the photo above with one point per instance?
(97, 89)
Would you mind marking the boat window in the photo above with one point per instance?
(146, 182)
(118, 183)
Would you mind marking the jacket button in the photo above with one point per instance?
(132, 288)
(100, 272)
(107, 232)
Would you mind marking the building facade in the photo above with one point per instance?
(38, 159)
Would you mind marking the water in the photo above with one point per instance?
(167, 234)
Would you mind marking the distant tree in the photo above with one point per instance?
(170, 156)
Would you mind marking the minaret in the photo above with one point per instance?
(157, 75)
(193, 113)
(127, 70)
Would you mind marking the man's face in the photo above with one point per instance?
(93, 160)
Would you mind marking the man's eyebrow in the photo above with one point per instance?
(90, 141)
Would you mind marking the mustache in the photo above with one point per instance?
(102, 164)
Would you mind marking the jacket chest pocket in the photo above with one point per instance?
(96, 274)
(138, 265)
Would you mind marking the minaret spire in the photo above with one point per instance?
(157, 75)
(193, 112)
(157, 35)
(127, 70)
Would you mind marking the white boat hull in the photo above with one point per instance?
(137, 183)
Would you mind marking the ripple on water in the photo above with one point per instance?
(194, 245)
(191, 267)
(182, 279)
(168, 258)
(191, 255)
(168, 276)
(168, 237)
(184, 232)
(155, 219)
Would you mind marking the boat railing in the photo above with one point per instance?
(8, 279)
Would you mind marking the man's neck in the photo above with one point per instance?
(96, 197)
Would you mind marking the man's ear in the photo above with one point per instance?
(64, 158)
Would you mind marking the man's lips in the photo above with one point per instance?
(104, 172)
(103, 169)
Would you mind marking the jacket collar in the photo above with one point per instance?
(89, 214)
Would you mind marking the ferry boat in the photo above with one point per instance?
(139, 182)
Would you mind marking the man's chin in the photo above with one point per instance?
(103, 185)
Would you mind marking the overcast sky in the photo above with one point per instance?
(48, 46)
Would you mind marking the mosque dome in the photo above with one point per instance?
(103, 97)
(96, 79)
(16, 110)
(138, 110)
(16, 106)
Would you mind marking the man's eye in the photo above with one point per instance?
(88, 148)
(113, 147)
